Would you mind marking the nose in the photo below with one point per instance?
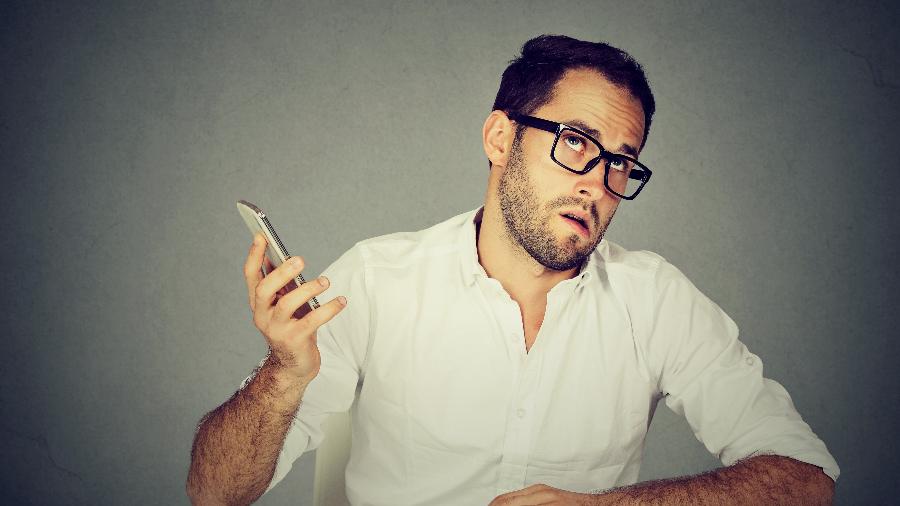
(590, 185)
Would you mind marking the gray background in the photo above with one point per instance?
(129, 131)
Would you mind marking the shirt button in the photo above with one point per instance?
(520, 413)
(749, 360)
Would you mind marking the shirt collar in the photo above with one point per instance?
(469, 265)
(471, 268)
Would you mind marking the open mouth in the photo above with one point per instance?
(577, 223)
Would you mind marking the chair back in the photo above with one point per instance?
(332, 457)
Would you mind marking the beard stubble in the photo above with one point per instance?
(530, 228)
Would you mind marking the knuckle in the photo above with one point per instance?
(258, 292)
(317, 317)
(311, 289)
(301, 294)
(290, 264)
(282, 308)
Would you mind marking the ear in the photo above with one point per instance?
(497, 134)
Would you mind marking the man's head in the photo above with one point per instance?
(594, 87)
(529, 80)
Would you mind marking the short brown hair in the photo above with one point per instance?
(529, 80)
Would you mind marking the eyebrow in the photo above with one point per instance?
(628, 149)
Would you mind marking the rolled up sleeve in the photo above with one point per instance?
(710, 377)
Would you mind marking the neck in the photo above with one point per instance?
(503, 259)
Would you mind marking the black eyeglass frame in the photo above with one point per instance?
(557, 128)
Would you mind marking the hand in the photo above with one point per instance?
(281, 314)
(545, 495)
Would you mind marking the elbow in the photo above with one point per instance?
(205, 495)
(803, 483)
(201, 493)
(824, 487)
(207, 498)
(816, 486)
(197, 495)
(197, 498)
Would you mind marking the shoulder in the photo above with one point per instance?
(671, 318)
(615, 256)
(392, 264)
(640, 276)
(656, 290)
(401, 250)
(632, 266)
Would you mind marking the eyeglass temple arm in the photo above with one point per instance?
(548, 126)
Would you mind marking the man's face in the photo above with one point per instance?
(535, 193)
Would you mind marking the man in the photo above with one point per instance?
(510, 355)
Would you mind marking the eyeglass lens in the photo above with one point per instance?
(576, 152)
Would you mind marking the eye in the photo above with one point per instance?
(574, 143)
(619, 164)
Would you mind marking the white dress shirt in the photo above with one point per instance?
(448, 408)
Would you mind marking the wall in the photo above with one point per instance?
(129, 131)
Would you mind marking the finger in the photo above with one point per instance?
(537, 499)
(543, 495)
(288, 305)
(519, 497)
(284, 289)
(252, 265)
(277, 279)
(321, 315)
(302, 311)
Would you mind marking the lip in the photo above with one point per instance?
(582, 215)
(581, 229)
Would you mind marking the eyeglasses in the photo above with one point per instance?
(578, 152)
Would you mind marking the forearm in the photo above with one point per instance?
(765, 479)
(236, 446)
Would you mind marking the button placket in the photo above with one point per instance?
(521, 417)
(505, 314)
(519, 427)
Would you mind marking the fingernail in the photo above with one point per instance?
(295, 261)
(323, 281)
(342, 300)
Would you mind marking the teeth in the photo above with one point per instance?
(576, 218)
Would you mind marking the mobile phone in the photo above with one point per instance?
(257, 221)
